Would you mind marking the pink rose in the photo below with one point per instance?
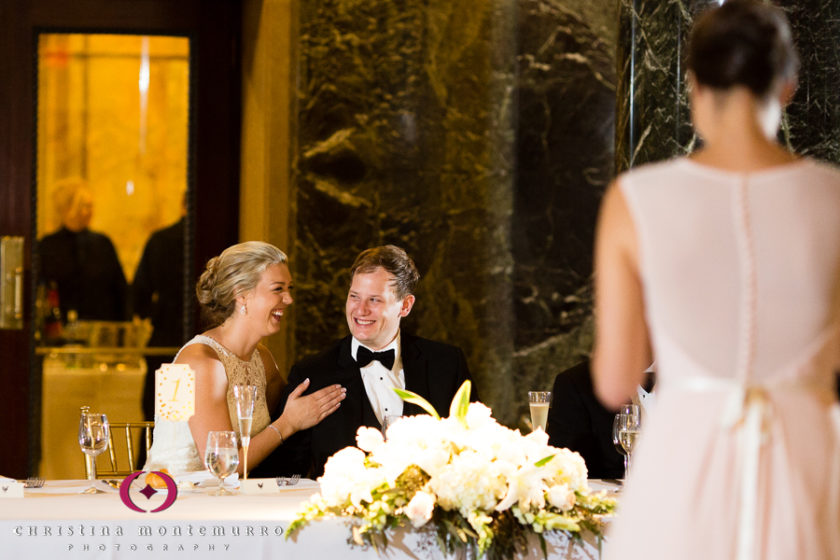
(419, 509)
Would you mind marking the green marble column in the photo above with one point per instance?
(476, 134)
(653, 120)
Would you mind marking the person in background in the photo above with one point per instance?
(244, 293)
(81, 264)
(726, 265)
(373, 359)
(578, 421)
(158, 294)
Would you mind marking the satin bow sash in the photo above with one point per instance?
(749, 410)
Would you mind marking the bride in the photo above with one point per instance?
(244, 293)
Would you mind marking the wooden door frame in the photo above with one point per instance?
(213, 169)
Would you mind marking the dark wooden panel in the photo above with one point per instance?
(214, 27)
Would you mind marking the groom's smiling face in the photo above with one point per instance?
(373, 310)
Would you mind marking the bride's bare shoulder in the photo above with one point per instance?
(201, 358)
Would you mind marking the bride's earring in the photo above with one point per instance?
(243, 310)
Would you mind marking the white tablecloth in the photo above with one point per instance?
(56, 522)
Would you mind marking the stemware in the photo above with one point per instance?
(221, 457)
(628, 422)
(617, 442)
(93, 439)
(245, 396)
(539, 402)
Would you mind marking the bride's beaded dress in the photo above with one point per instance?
(740, 457)
(173, 447)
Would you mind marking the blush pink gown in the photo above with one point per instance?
(740, 457)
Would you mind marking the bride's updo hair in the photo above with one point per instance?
(236, 271)
(742, 43)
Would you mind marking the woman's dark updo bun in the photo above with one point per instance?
(742, 43)
(236, 271)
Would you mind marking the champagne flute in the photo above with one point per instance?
(221, 457)
(245, 396)
(629, 420)
(93, 439)
(539, 402)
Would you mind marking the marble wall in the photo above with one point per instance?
(478, 135)
(564, 148)
(812, 120)
(653, 120)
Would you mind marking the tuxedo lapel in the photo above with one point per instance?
(416, 372)
(360, 412)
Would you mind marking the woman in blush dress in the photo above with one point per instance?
(726, 266)
(244, 293)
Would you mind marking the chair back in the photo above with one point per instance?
(123, 446)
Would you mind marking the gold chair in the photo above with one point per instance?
(125, 447)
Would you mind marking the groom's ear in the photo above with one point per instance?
(407, 304)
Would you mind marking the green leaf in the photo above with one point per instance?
(543, 461)
(543, 547)
(414, 398)
(460, 403)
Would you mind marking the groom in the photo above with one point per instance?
(376, 357)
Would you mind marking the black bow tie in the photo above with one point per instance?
(365, 356)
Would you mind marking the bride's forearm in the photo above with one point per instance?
(263, 443)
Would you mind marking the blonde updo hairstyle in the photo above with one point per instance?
(233, 273)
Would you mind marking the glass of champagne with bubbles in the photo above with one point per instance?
(245, 396)
(539, 401)
(628, 422)
(221, 457)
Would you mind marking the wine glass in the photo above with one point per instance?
(221, 457)
(617, 442)
(539, 402)
(93, 439)
(245, 396)
(628, 420)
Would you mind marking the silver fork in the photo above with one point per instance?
(288, 480)
(33, 482)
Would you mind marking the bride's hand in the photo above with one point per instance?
(304, 412)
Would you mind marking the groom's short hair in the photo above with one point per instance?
(395, 261)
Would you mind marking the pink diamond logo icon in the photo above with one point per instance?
(148, 491)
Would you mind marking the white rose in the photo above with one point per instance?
(419, 509)
(369, 439)
(479, 416)
(561, 497)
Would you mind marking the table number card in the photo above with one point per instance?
(175, 392)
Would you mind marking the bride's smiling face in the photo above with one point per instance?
(267, 303)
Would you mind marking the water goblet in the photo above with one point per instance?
(221, 456)
(629, 424)
(245, 396)
(539, 402)
(94, 431)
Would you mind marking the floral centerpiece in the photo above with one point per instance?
(480, 484)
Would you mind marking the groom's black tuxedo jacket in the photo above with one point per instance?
(433, 370)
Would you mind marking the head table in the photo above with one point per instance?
(55, 521)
